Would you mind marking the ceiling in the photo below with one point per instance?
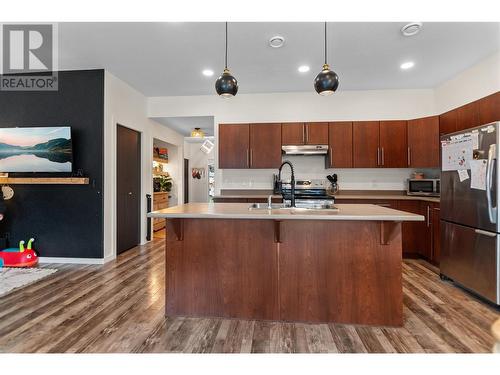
(167, 58)
(184, 125)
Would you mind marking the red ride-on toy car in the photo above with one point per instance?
(19, 257)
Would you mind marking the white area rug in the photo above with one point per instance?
(11, 278)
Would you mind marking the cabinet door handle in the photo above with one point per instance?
(428, 216)
(331, 157)
(409, 156)
(304, 133)
(251, 157)
(248, 158)
(307, 133)
(383, 156)
(378, 156)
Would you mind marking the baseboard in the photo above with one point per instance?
(73, 260)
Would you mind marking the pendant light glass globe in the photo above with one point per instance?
(226, 85)
(327, 81)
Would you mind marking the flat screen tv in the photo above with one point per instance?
(40, 149)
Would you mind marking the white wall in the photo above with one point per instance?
(126, 106)
(198, 188)
(304, 106)
(474, 83)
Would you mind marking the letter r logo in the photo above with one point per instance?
(27, 48)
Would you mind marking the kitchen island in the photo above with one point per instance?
(298, 265)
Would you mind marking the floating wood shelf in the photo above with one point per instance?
(44, 180)
(160, 160)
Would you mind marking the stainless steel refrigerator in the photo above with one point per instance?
(470, 223)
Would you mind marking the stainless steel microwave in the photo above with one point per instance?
(426, 187)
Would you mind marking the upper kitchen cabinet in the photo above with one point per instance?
(423, 142)
(366, 144)
(393, 147)
(316, 133)
(234, 146)
(468, 116)
(448, 122)
(300, 133)
(339, 145)
(243, 146)
(293, 134)
(265, 145)
(489, 109)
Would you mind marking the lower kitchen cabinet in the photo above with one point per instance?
(390, 203)
(230, 200)
(414, 234)
(422, 239)
(419, 239)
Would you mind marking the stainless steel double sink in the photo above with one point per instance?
(282, 206)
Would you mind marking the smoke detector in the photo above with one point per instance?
(411, 28)
(276, 41)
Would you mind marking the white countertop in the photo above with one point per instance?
(363, 212)
(344, 194)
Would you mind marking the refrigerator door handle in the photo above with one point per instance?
(492, 211)
(485, 233)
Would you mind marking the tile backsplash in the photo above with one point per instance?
(312, 167)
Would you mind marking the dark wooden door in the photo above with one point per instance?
(128, 180)
(468, 116)
(448, 122)
(393, 147)
(317, 133)
(340, 145)
(365, 144)
(423, 142)
(489, 109)
(265, 145)
(234, 146)
(293, 134)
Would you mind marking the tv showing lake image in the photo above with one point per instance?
(46, 149)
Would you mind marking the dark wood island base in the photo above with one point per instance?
(289, 270)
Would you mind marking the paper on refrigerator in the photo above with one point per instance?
(456, 153)
(463, 175)
(478, 174)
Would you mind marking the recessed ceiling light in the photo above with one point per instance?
(277, 41)
(407, 65)
(208, 72)
(411, 28)
(303, 68)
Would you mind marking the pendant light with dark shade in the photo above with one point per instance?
(327, 81)
(226, 85)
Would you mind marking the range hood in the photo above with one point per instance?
(305, 150)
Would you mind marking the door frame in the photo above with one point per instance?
(139, 186)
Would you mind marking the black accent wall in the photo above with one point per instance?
(66, 220)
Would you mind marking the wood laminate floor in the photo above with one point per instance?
(119, 307)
